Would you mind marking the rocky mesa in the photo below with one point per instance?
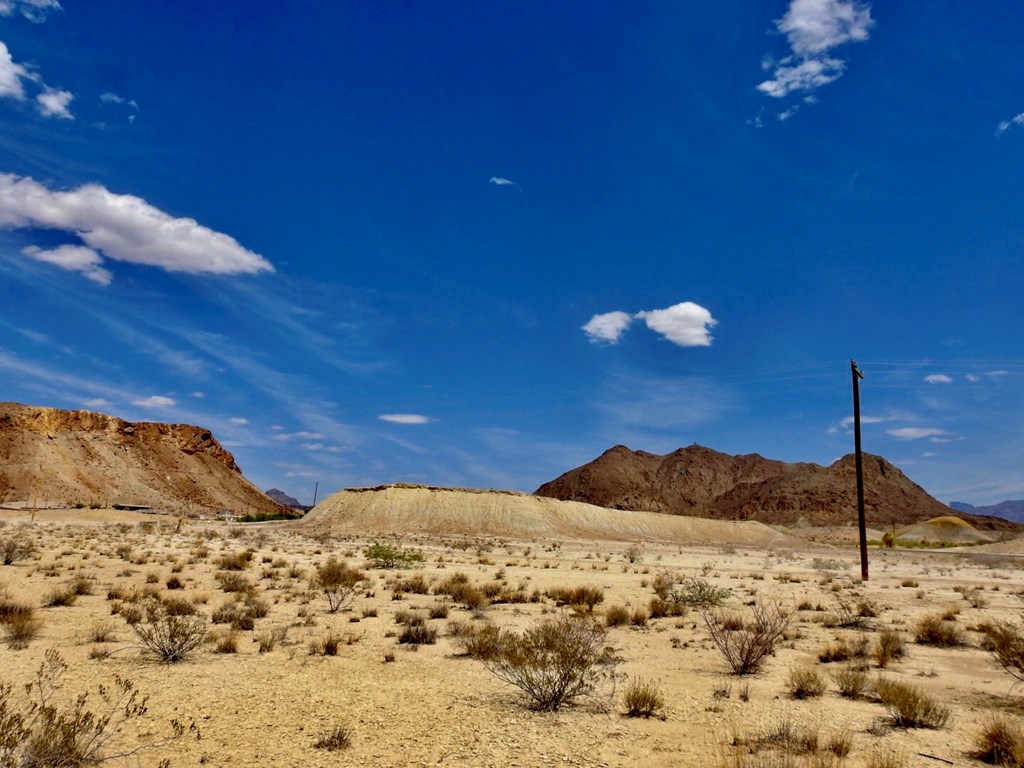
(50, 456)
(704, 482)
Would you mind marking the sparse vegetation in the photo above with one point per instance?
(939, 631)
(745, 646)
(339, 737)
(805, 683)
(14, 548)
(1005, 641)
(391, 556)
(909, 706)
(888, 647)
(338, 583)
(643, 698)
(1000, 742)
(170, 637)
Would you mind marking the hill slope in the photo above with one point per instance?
(67, 457)
(404, 509)
(1011, 509)
(704, 482)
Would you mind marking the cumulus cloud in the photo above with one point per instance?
(54, 103)
(124, 228)
(607, 327)
(404, 418)
(76, 258)
(938, 378)
(33, 10)
(686, 324)
(11, 74)
(813, 28)
(154, 401)
(1005, 125)
(915, 433)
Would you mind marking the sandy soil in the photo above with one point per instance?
(432, 706)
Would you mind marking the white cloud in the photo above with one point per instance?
(113, 98)
(155, 401)
(813, 28)
(238, 420)
(938, 378)
(847, 422)
(404, 418)
(915, 433)
(76, 258)
(299, 474)
(501, 181)
(54, 103)
(686, 324)
(312, 446)
(33, 10)
(607, 327)
(972, 377)
(998, 373)
(285, 437)
(96, 402)
(124, 228)
(1004, 126)
(11, 74)
(199, 395)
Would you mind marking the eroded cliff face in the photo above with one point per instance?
(67, 457)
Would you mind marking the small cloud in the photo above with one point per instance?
(608, 327)
(299, 474)
(285, 437)
(312, 446)
(54, 103)
(113, 98)
(33, 10)
(122, 228)
(238, 420)
(199, 395)
(276, 427)
(938, 378)
(404, 418)
(501, 181)
(96, 402)
(686, 324)
(915, 433)
(847, 421)
(998, 373)
(804, 76)
(972, 377)
(928, 454)
(1004, 126)
(155, 401)
(75, 258)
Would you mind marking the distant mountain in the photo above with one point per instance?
(283, 498)
(703, 482)
(1010, 509)
(57, 457)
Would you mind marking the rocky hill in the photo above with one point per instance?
(703, 482)
(289, 501)
(51, 456)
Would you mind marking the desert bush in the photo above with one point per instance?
(391, 556)
(584, 598)
(691, 591)
(935, 630)
(1005, 642)
(886, 758)
(634, 553)
(415, 584)
(178, 606)
(417, 634)
(643, 698)
(269, 639)
(101, 632)
(338, 582)
(477, 640)
(81, 585)
(616, 616)
(439, 611)
(844, 649)
(171, 638)
(237, 561)
(60, 597)
(20, 629)
(888, 647)
(1000, 742)
(659, 608)
(851, 682)
(14, 548)
(805, 683)
(339, 737)
(555, 661)
(746, 648)
(174, 582)
(909, 706)
(232, 581)
(36, 733)
(227, 642)
(849, 615)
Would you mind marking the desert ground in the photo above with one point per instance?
(270, 694)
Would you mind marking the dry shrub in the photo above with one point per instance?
(477, 640)
(101, 632)
(60, 597)
(439, 611)
(616, 616)
(886, 758)
(14, 548)
(1000, 742)
(171, 638)
(461, 590)
(746, 648)
(227, 642)
(555, 661)
(416, 584)
(231, 581)
(583, 598)
(643, 698)
(21, 627)
(805, 683)
(659, 608)
(851, 682)
(888, 647)
(938, 631)
(909, 706)
(340, 737)
(844, 649)
(417, 634)
(338, 582)
(1005, 642)
(269, 639)
(237, 561)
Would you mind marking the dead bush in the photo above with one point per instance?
(14, 548)
(171, 638)
(555, 661)
(338, 582)
(851, 682)
(339, 737)
(616, 616)
(746, 648)
(237, 561)
(584, 598)
(1005, 642)
(1000, 742)
(888, 647)
(643, 698)
(909, 706)
(805, 683)
(231, 581)
(938, 631)
(477, 640)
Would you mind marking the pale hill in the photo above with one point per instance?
(418, 509)
(81, 457)
(701, 481)
(944, 530)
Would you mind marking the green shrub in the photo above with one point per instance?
(391, 556)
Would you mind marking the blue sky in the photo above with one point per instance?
(478, 244)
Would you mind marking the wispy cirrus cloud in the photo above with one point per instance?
(916, 433)
(122, 228)
(938, 378)
(405, 418)
(814, 29)
(35, 11)
(685, 324)
(1006, 125)
(501, 181)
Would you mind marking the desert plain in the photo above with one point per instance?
(266, 692)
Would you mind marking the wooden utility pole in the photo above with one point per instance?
(316, 488)
(861, 524)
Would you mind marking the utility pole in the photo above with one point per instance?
(857, 376)
(316, 488)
